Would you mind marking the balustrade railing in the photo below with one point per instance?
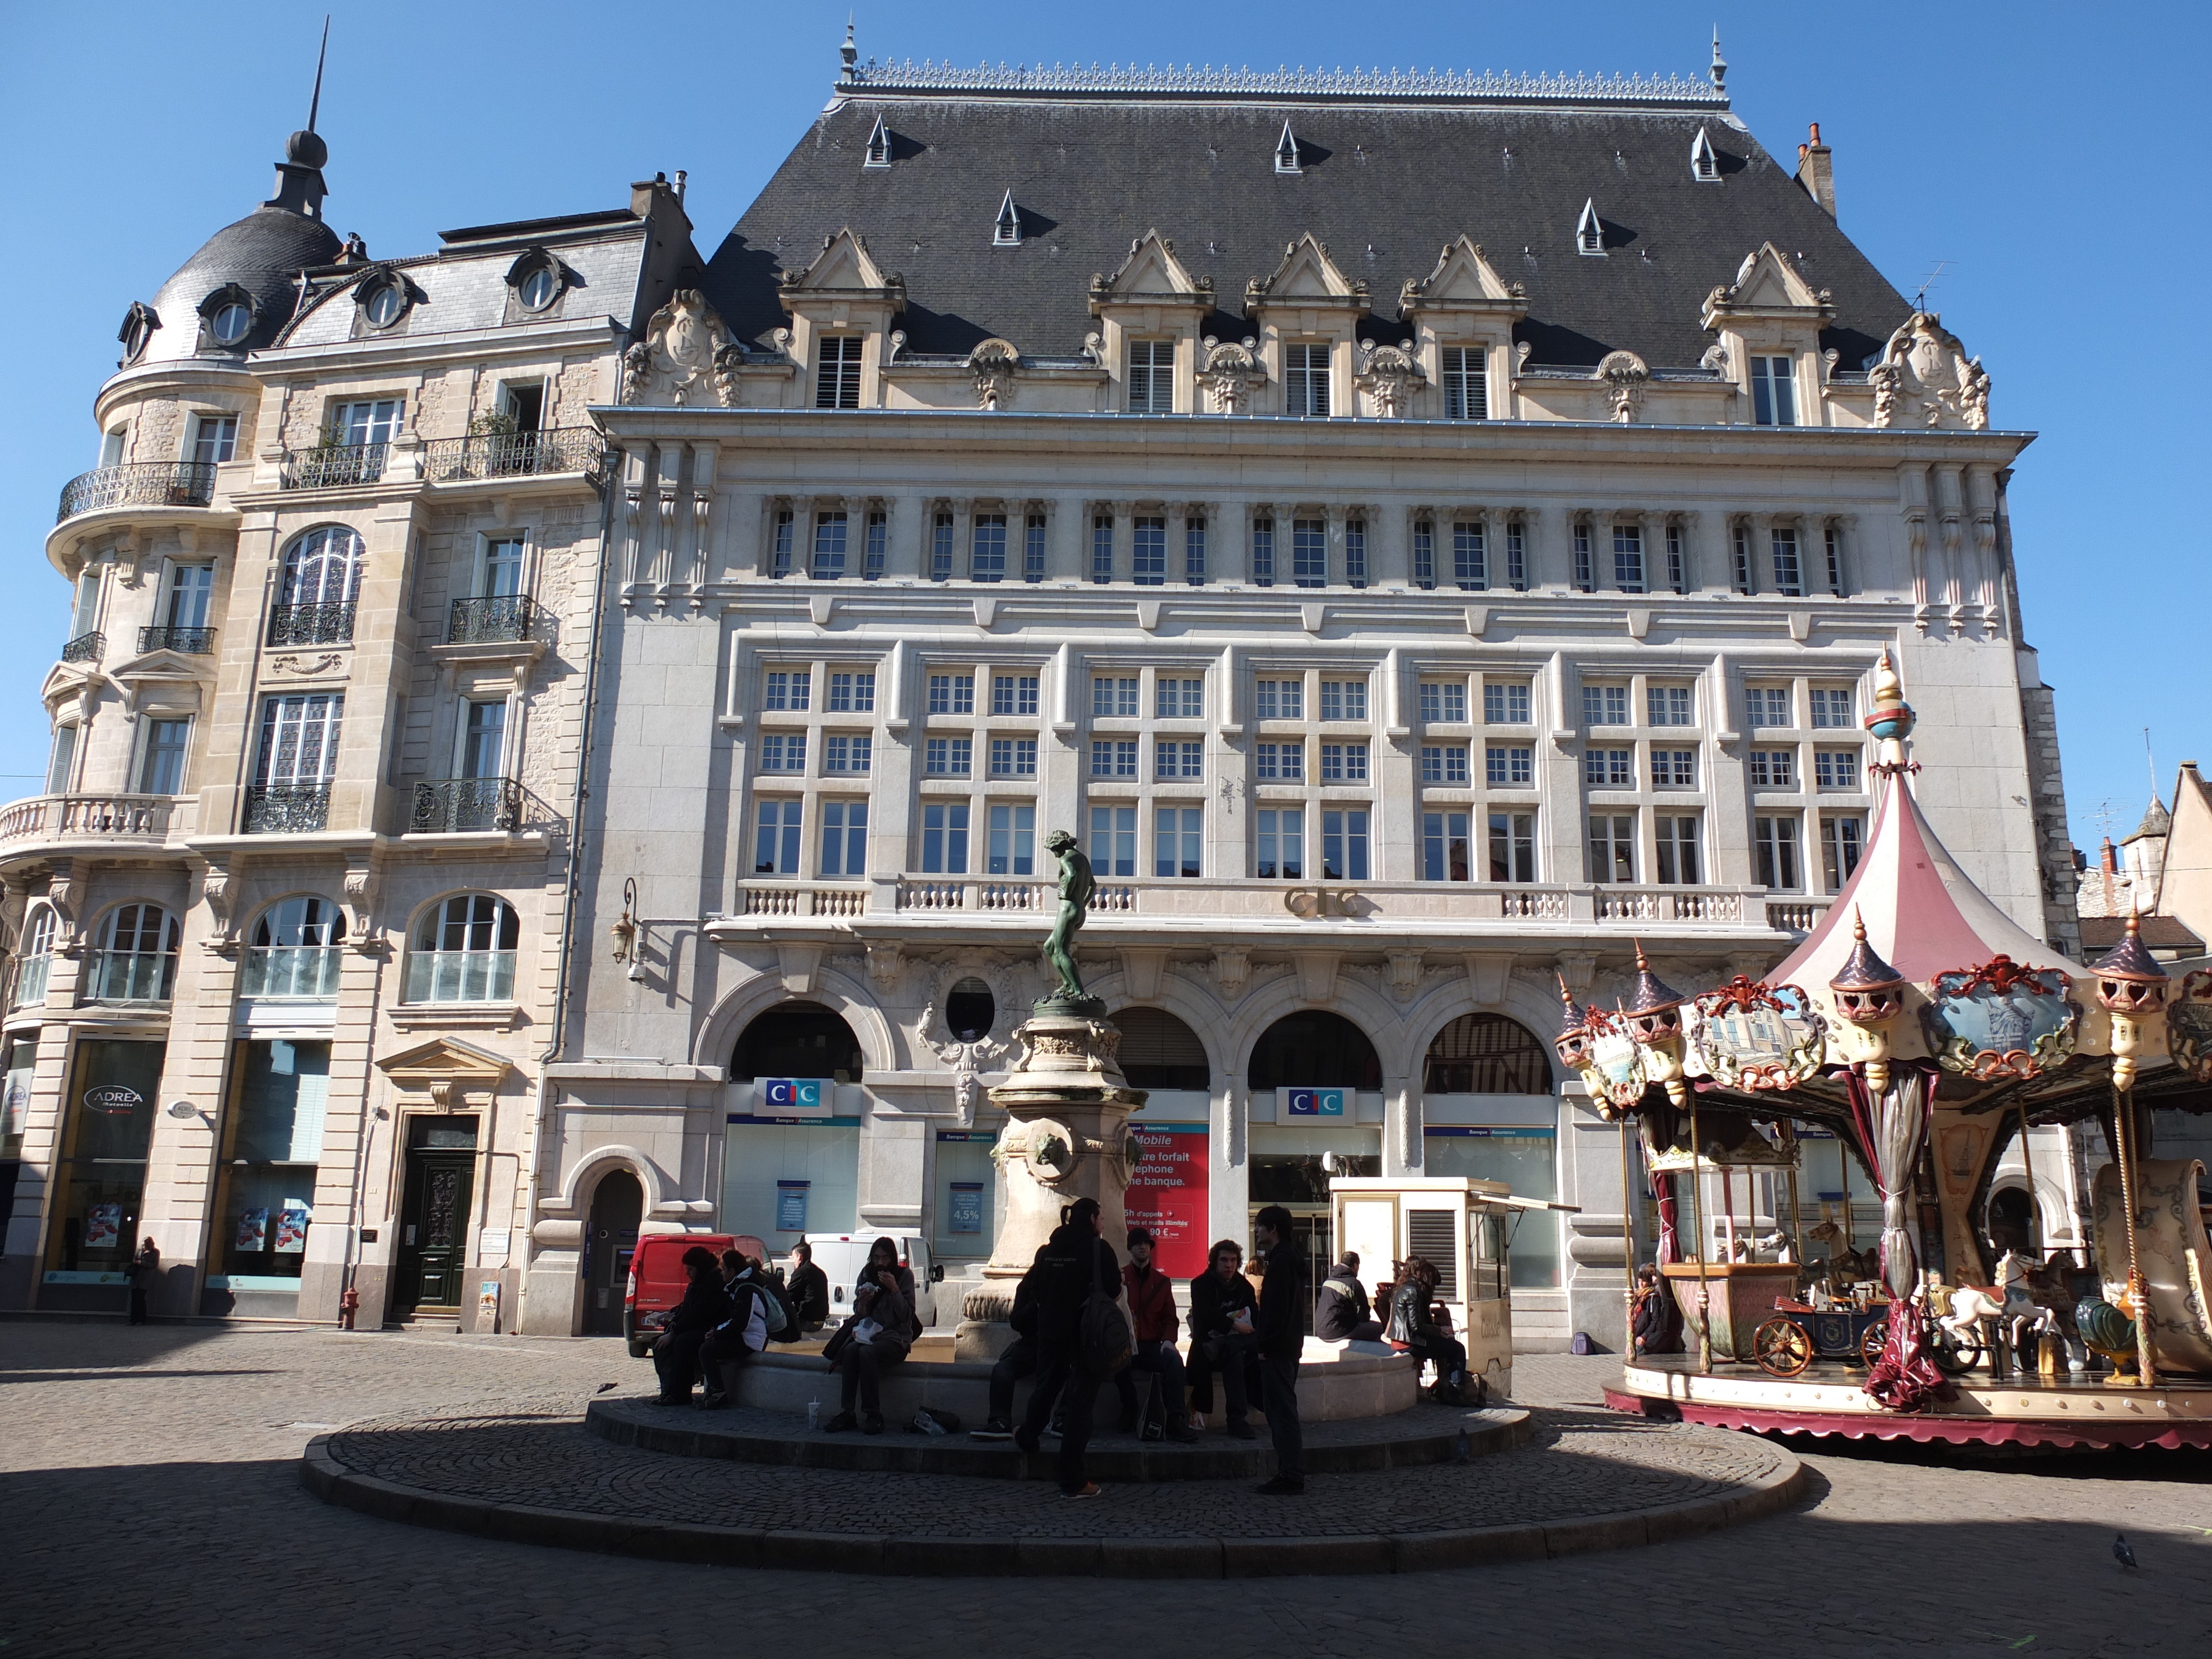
(514, 455)
(333, 466)
(101, 817)
(188, 642)
(501, 619)
(451, 806)
(158, 483)
(86, 647)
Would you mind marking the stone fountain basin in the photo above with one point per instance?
(1337, 1382)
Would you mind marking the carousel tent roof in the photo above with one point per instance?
(1922, 913)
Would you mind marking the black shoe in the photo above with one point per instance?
(994, 1429)
(840, 1423)
(713, 1403)
(1183, 1433)
(1242, 1431)
(874, 1424)
(1283, 1486)
(1027, 1442)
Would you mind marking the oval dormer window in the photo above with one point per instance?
(540, 289)
(231, 323)
(384, 304)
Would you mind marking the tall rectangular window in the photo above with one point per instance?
(1773, 769)
(851, 694)
(987, 548)
(1114, 841)
(776, 837)
(1445, 856)
(1788, 575)
(1676, 854)
(1678, 561)
(1442, 703)
(837, 375)
(191, 591)
(1278, 851)
(1355, 552)
(1309, 552)
(1669, 705)
(161, 768)
(783, 690)
(783, 752)
(1605, 705)
(1445, 763)
(1174, 758)
(1113, 759)
(484, 740)
(780, 556)
(944, 838)
(1585, 581)
(1505, 703)
(1033, 548)
(1470, 557)
(1344, 844)
(951, 694)
(1152, 377)
(1742, 574)
(1179, 842)
(1148, 550)
(1278, 699)
(299, 739)
(847, 752)
(1102, 547)
(1193, 551)
(1013, 694)
(876, 549)
(829, 546)
(1305, 379)
(1774, 848)
(215, 439)
(1509, 765)
(1013, 840)
(1013, 757)
(1836, 769)
(1425, 555)
(1513, 847)
(1344, 700)
(1835, 549)
(1344, 762)
(1516, 556)
(1833, 707)
(1843, 838)
(947, 757)
(1114, 697)
(1467, 388)
(1613, 847)
(1628, 557)
(845, 838)
(1766, 705)
(1179, 699)
(940, 548)
(1773, 392)
(1263, 552)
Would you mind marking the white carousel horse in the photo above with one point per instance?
(1970, 1305)
(2020, 1308)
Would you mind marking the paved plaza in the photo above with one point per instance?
(150, 1501)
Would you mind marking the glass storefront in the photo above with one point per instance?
(275, 1143)
(785, 1176)
(21, 1058)
(102, 1174)
(1524, 1158)
(1293, 1163)
(970, 1203)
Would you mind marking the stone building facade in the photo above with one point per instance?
(1426, 535)
(286, 923)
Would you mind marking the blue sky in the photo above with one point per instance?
(2051, 155)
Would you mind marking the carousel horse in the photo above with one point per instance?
(2021, 1305)
(1970, 1305)
(1842, 1265)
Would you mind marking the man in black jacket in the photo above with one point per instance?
(705, 1305)
(1071, 1264)
(807, 1290)
(1341, 1313)
(1016, 1361)
(1282, 1338)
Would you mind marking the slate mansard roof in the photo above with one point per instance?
(1386, 182)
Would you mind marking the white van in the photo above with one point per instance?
(842, 1255)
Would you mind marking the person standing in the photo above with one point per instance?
(1152, 1323)
(1282, 1338)
(1075, 1262)
(1342, 1313)
(145, 1274)
(808, 1289)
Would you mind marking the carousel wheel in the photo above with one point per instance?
(1870, 1342)
(1953, 1356)
(1781, 1348)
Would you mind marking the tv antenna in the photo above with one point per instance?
(1920, 299)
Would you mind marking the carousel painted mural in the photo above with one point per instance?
(1924, 1029)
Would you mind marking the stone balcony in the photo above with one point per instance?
(44, 825)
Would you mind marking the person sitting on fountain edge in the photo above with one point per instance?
(1152, 1322)
(1413, 1329)
(883, 1327)
(705, 1305)
(807, 1290)
(1341, 1314)
(1223, 1339)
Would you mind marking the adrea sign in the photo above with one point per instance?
(1168, 1192)
(1309, 1102)
(794, 1097)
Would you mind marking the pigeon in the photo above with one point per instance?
(1462, 1451)
(2121, 1553)
(603, 1388)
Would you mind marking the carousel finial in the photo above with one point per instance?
(2132, 987)
(1890, 721)
(1654, 996)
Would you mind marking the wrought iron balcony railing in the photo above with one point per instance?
(276, 809)
(159, 483)
(86, 647)
(505, 619)
(448, 806)
(310, 624)
(333, 466)
(190, 641)
(514, 455)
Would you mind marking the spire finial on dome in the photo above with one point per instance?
(1720, 64)
(1653, 994)
(300, 187)
(1890, 719)
(848, 54)
(315, 103)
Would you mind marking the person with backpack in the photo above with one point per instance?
(1282, 1339)
(1341, 1313)
(876, 1336)
(1073, 1267)
(1152, 1319)
(757, 1317)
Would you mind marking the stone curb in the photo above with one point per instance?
(622, 1423)
(1089, 1557)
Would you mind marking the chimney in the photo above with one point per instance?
(2108, 867)
(1816, 172)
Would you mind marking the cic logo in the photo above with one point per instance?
(787, 1096)
(1311, 1103)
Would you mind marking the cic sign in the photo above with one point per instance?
(1309, 1102)
(793, 1097)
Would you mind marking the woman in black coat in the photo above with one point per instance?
(705, 1305)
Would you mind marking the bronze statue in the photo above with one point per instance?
(1076, 885)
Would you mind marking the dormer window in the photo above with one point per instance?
(879, 145)
(383, 304)
(1773, 392)
(138, 326)
(1007, 232)
(535, 282)
(1305, 379)
(1590, 234)
(837, 375)
(537, 289)
(1704, 160)
(1152, 377)
(231, 324)
(1286, 152)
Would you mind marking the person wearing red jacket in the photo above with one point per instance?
(1152, 1322)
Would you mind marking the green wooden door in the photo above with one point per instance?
(434, 1229)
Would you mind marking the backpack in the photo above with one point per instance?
(1103, 1340)
(775, 1311)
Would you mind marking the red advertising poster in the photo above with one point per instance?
(1167, 1194)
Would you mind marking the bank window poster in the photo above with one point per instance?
(292, 1228)
(103, 1226)
(253, 1230)
(967, 1207)
(791, 1206)
(1168, 1193)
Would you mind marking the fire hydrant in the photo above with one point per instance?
(349, 1304)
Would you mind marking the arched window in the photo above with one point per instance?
(135, 958)
(295, 950)
(1315, 1050)
(799, 1039)
(1486, 1055)
(322, 568)
(465, 951)
(34, 959)
(1158, 1051)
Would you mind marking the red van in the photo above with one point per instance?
(656, 1278)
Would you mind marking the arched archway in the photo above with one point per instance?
(1158, 1051)
(1486, 1054)
(1314, 1048)
(617, 1208)
(797, 1039)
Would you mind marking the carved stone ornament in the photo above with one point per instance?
(306, 667)
(361, 886)
(993, 363)
(687, 357)
(1389, 376)
(1924, 377)
(1232, 970)
(885, 965)
(1229, 374)
(1626, 376)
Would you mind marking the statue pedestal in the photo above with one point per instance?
(1067, 1137)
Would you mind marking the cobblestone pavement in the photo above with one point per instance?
(150, 1501)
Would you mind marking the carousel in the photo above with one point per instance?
(1923, 1029)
